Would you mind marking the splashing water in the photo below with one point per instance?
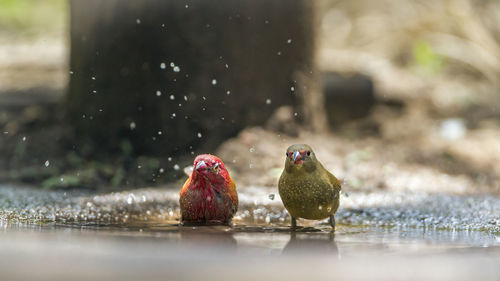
(401, 210)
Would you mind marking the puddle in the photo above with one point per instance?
(129, 235)
(259, 207)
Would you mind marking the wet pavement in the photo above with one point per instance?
(135, 234)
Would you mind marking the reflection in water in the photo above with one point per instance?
(311, 243)
(214, 237)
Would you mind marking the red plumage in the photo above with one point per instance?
(209, 195)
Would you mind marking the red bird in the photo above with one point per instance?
(209, 195)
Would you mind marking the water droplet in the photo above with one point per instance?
(163, 65)
(199, 135)
(295, 114)
(176, 167)
(132, 125)
(176, 69)
(138, 21)
(252, 149)
(172, 97)
(227, 65)
(271, 196)
(71, 72)
(93, 77)
(279, 53)
(250, 166)
(61, 179)
(161, 171)
(158, 93)
(159, 133)
(292, 89)
(187, 6)
(169, 159)
(214, 82)
(228, 92)
(185, 98)
(94, 91)
(289, 41)
(268, 101)
(24, 138)
(47, 163)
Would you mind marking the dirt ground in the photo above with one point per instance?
(411, 153)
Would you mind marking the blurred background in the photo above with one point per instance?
(392, 95)
(105, 104)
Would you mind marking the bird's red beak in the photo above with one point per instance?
(297, 157)
(201, 166)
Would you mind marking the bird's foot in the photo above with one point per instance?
(332, 222)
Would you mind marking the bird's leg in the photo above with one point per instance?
(294, 224)
(332, 222)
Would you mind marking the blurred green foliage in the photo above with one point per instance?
(31, 17)
(425, 58)
(62, 182)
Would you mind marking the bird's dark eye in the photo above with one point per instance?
(308, 153)
(286, 154)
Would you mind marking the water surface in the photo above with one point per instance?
(136, 234)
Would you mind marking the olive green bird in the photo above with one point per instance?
(306, 188)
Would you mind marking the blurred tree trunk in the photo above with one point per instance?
(168, 76)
